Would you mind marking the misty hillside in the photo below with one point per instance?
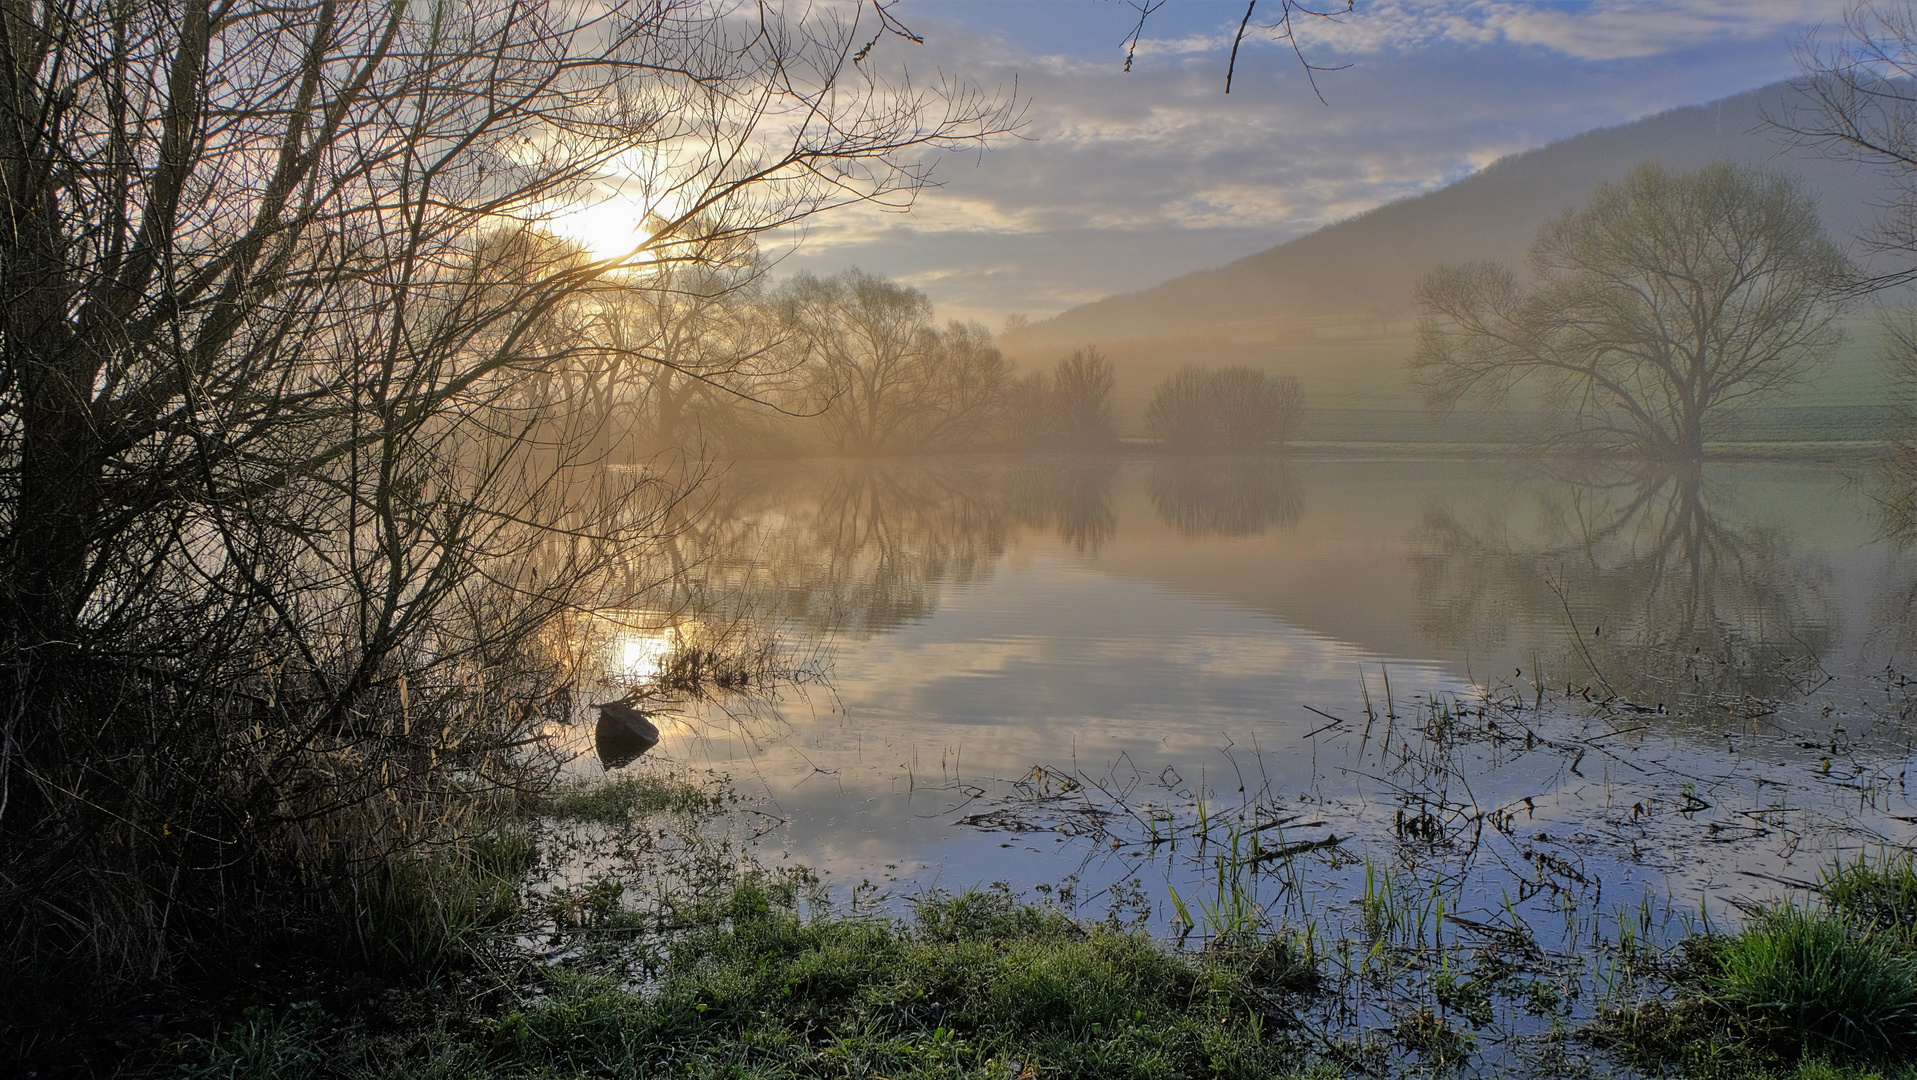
(1333, 306)
(1365, 266)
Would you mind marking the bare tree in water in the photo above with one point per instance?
(295, 518)
(1668, 300)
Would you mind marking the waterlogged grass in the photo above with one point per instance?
(1809, 980)
(751, 974)
(1811, 993)
(1878, 893)
(435, 907)
(622, 799)
(652, 944)
(978, 985)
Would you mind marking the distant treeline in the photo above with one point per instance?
(856, 364)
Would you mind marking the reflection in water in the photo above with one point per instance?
(1074, 499)
(1223, 496)
(866, 547)
(1894, 511)
(1640, 583)
(638, 652)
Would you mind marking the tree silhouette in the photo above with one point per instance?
(300, 481)
(1067, 408)
(880, 375)
(1236, 408)
(1667, 300)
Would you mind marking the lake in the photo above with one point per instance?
(1559, 708)
(1163, 633)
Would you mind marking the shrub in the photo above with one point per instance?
(1197, 408)
(1068, 408)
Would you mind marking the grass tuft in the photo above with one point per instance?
(1880, 895)
(1813, 982)
(625, 798)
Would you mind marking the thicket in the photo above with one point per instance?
(1235, 408)
(878, 375)
(304, 415)
(1066, 408)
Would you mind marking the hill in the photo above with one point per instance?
(1333, 307)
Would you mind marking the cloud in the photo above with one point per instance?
(1594, 30)
(1120, 181)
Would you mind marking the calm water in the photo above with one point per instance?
(1032, 661)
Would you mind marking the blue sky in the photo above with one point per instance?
(1120, 181)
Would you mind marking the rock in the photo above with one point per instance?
(623, 734)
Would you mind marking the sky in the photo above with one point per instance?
(1118, 181)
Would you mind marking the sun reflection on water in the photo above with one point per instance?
(639, 644)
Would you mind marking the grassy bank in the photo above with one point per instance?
(1816, 990)
(739, 971)
(976, 985)
(672, 953)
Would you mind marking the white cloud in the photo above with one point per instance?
(1120, 181)
(1597, 30)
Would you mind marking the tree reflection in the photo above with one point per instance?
(1642, 585)
(866, 547)
(1074, 501)
(1223, 496)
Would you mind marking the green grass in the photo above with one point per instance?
(979, 985)
(1811, 981)
(625, 798)
(431, 909)
(1880, 894)
(1818, 993)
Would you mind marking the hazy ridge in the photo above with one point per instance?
(1332, 307)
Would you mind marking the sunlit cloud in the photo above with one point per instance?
(1120, 181)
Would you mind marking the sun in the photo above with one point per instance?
(608, 227)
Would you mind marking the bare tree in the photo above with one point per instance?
(676, 349)
(883, 377)
(1667, 300)
(1283, 27)
(295, 498)
(1236, 408)
(1067, 408)
(1860, 105)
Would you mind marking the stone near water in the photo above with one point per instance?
(623, 734)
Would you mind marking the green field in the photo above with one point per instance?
(1356, 389)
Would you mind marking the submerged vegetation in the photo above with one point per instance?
(637, 939)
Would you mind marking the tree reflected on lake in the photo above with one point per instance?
(1226, 496)
(1645, 585)
(866, 547)
(1074, 501)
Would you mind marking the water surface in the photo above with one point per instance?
(1180, 630)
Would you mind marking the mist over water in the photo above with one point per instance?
(1256, 633)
